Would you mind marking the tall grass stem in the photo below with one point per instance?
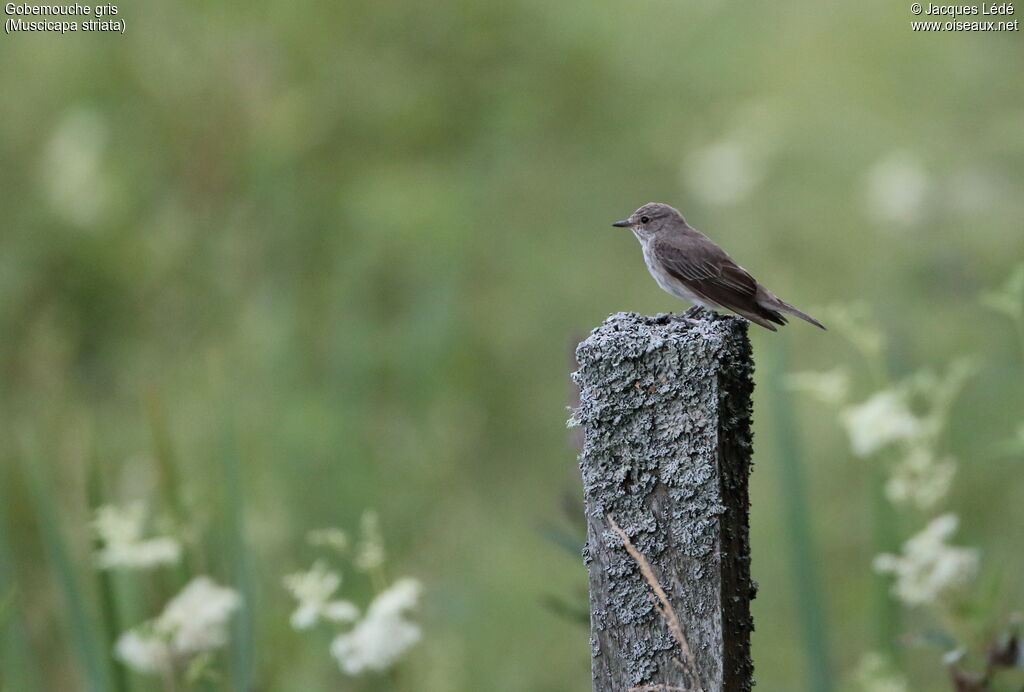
(798, 520)
(109, 610)
(242, 569)
(86, 640)
(17, 671)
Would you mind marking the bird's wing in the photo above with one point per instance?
(709, 272)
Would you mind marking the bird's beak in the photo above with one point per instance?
(623, 224)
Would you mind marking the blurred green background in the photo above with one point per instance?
(342, 251)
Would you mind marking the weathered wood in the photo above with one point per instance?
(665, 408)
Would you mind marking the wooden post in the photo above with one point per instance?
(665, 409)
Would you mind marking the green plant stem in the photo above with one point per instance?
(16, 668)
(163, 451)
(242, 640)
(109, 611)
(798, 520)
(379, 579)
(884, 538)
(169, 680)
(170, 481)
(86, 640)
(887, 615)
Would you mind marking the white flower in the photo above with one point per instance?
(120, 531)
(194, 621)
(79, 189)
(829, 387)
(313, 591)
(722, 173)
(383, 635)
(874, 674)
(879, 421)
(929, 568)
(896, 189)
(145, 651)
(370, 553)
(197, 618)
(333, 538)
(920, 480)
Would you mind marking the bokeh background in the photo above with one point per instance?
(266, 265)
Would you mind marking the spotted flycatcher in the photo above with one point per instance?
(687, 264)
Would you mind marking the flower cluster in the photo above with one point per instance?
(333, 538)
(920, 475)
(874, 674)
(929, 568)
(920, 480)
(120, 530)
(313, 590)
(899, 428)
(193, 622)
(384, 634)
(881, 420)
(380, 637)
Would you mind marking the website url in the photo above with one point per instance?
(966, 26)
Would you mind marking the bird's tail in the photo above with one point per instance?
(786, 307)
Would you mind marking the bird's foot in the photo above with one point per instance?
(695, 313)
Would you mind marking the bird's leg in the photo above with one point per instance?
(694, 313)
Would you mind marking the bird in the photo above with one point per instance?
(689, 265)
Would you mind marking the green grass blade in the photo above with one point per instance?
(109, 611)
(798, 520)
(242, 639)
(87, 642)
(887, 615)
(17, 671)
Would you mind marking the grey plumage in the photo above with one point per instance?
(689, 265)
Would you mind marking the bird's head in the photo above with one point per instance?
(652, 219)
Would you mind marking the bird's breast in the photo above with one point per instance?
(667, 281)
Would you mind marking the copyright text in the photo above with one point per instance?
(964, 17)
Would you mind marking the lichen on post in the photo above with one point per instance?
(665, 409)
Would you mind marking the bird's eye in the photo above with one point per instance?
(644, 219)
